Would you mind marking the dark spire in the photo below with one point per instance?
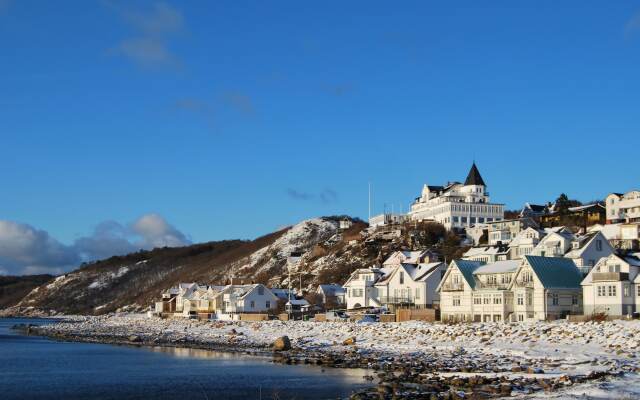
(474, 177)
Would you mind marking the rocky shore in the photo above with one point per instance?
(407, 360)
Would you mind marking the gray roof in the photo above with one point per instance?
(555, 272)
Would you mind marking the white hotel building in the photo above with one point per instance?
(457, 205)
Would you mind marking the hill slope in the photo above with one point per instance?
(14, 288)
(134, 281)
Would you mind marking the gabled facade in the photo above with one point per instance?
(484, 296)
(412, 285)
(524, 242)
(546, 288)
(236, 299)
(332, 294)
(360, 289)
(456, 291)
(613, 286)
(556, 243)
(503, 232)
(457, 205)
(588, 249)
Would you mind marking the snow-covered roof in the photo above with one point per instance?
(498, 267)
(301, 302)
(486, 250)
(332, 289)
(425, 270)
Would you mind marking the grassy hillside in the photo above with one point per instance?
(14, 288)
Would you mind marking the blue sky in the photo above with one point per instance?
(230, 119)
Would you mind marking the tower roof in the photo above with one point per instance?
(474, 177)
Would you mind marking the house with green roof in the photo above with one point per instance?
(473, 291)
(546, 288)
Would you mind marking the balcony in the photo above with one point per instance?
(453, 287)
(396, 300)
(610, 276)
(496, 286)
(525, 284)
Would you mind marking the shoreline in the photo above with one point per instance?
(442, 370)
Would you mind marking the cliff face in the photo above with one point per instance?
(134, 281)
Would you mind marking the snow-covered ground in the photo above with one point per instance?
(549, 348)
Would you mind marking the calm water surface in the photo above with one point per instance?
(37, 368)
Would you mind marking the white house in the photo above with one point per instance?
(484, 294)
(613, 286)
(533, 210)
(623, 207)
(236, 299)
(360, 287)
(588, 249)
(506, 230)
(546, 288)
(456, 291)
(524, 242)
(556, 243)
(457, 205)
(410, 257)
(332, 294)
(412, 285)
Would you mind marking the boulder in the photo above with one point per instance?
(282, 344)
(349, 341)
(135, 339)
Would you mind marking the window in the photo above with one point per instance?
(638, 291)
(529, 299)
(626, 290)
(611, 290)
(253, 304)
(417, 291)
(486, 299)
(601, 291)
(574, 300)
(267, 304)
(599, 245)
(477, 300)
(261, 290)
(520, 299)
(520, 317)
(455, 219)
(456, 301)
(497, 300)
(402, 278)
(554, 299)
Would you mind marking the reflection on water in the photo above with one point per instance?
(199, 353)
(36, 368)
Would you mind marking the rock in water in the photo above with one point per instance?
(282, 343)
(135, 339)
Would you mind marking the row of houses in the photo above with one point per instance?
(224, 302)
(524, 272)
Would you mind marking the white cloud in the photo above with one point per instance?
(153, 28)
(156, 232)
(27, 250)
(23, 246)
